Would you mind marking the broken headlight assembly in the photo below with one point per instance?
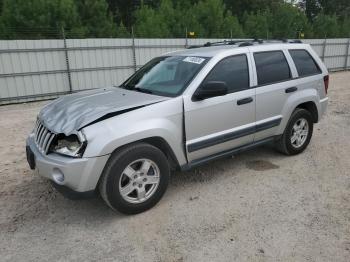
(72, 145)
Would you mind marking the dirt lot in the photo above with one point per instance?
(256, 206)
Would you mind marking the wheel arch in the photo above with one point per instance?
(158, 142)
(312, 108)
(306, 99)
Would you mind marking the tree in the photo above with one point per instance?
(288, 21)
(239, 7)
(340, 8)
(232, 26)
(329, 7)
(38, 18)
(312, 8)
(123, 10)
(214, 20)
(150, 23)
(326, 26)
(345, 27)
(257, 25)
(96, 19)
(186, 18)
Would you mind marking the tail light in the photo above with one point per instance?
(326, 82)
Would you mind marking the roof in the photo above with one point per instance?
(211, 51)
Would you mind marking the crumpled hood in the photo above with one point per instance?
(71, 112)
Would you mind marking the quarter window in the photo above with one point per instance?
(233, 71)
(271, 67)
(304, 63)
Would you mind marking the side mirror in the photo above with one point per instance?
(210, 89)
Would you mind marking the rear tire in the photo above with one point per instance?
(297, 134)
(135, 178)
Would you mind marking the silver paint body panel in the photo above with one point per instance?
(71, 112)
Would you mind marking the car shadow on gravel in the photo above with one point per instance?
(255, 159)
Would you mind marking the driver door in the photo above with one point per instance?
(221, 123)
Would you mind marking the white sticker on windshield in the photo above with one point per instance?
(193, 59)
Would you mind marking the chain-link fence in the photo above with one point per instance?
(45, 68)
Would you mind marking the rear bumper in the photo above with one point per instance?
(80, 174)
(323, 105)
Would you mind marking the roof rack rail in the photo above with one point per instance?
(208, 44)
(290, 41)
(246, 42)
(224, 42)
(251, 42)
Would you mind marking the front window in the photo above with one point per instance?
(167, 76)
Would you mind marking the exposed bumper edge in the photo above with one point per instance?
(72, 194)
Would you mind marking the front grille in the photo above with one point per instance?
(43, 137)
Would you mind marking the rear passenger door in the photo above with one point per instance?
(273, 75)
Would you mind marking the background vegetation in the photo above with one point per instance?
(22, 19)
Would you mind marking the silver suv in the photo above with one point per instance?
(180, 110)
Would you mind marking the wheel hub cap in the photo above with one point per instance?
(139, 181)
(300, 133)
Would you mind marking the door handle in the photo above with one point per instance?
(244, 101)
(291, 89)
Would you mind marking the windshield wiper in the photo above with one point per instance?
(128, 87)
(142, 90)
(138, 89)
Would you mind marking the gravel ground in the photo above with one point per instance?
(256, 206)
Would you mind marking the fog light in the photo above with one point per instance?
(58, 176)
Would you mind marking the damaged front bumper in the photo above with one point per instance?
(69, 175)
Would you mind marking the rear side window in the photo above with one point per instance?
(304, 63)
(233, 71)
(271, 67)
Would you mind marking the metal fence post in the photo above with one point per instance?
(133, 49)
(347, 55)
(186, 39)
(324, 49)
(67, 61)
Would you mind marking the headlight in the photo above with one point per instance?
(72, 145)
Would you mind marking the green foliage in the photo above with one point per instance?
(207, 18)
(257, 25)
(214, 20)
(151, 23)
(122, 31)
(95, 18)
(21, 19)
(345, 27)
(37, 18)
(241, 7)
(210, 14)
(288, 21)
(325, 26)
(232, 26)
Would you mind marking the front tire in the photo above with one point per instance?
(298, 133)
(135, 178)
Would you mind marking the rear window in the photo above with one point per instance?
(271, 67)
(304, 63)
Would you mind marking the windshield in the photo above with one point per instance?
(167, 76)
